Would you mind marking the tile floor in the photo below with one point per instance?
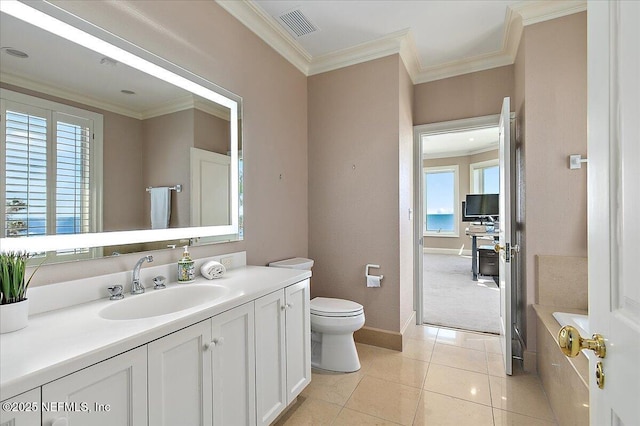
(444, 377)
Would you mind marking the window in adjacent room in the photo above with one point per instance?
(485, 177)
(441, 201)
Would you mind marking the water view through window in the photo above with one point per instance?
(440, 200)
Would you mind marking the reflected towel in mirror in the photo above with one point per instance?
(160, 207)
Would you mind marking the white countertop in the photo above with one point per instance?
(59, 342)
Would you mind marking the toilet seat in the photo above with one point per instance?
(330, 307)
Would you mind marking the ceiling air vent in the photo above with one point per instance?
(297, 23)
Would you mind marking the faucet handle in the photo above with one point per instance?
(115, 292)
(158, 282)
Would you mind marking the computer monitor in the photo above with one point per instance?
(482, 206)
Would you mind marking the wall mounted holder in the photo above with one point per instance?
(576, 160)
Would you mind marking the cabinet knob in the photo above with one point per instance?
(214, 342)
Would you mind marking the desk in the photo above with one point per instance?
(474, 248)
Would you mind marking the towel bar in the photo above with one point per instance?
(177, 188)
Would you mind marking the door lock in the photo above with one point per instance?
(600, 375)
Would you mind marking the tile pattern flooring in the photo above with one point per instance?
(444, 377)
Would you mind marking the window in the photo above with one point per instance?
(441, 201)
(50, 167)
(485, 177)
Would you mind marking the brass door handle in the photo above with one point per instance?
(497, 247)
(571, 343)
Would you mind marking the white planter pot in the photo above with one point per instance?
(14, 316)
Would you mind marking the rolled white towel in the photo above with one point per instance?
(212, 269)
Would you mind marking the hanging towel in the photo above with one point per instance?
(160, 207)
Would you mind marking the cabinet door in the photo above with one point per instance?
(233, 353)
(271, 397)
(21, 410)
(180, 378)
(112, 392)
(298, 338)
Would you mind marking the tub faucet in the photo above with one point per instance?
(136, 285)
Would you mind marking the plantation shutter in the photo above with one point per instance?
(73, 170)
(25, 164)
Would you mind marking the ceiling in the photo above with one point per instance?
(456, 144)
(435, 38)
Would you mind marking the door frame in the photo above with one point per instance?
(418, 133)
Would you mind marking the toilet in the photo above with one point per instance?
(333, 322)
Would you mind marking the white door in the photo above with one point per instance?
(210, 174)
(506, 254)
(233, 351)
(271, 381)
(298, 338)
(112, 392)
(180, 378)
(613, 205)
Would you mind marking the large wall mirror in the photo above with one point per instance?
(106, 148)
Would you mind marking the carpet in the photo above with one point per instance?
(453, 299)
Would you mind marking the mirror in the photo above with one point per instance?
(106, 148)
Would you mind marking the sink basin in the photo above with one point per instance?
(161, 302)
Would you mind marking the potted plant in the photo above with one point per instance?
(14, 305)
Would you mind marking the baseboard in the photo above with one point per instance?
(434, 250)
(530, 362)
(381, 338)
(410, 321)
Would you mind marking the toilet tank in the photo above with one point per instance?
(294, 263)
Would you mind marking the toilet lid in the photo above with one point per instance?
(330, 307)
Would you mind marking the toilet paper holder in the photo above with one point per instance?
(371, 265)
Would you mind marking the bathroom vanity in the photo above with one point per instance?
(240, 356)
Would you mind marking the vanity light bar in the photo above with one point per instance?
(71, 241)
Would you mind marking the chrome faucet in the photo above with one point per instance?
(136, 285)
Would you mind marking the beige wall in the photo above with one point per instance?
(554, 79)
(464, 185)
(469, 95)
(354, 185)
(167, 143)
(123, 174)
(206, 40)
(211, 133)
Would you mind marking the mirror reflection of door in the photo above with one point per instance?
(209, 188)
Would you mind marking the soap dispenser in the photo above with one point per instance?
(186, 269)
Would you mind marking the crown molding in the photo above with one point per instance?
(463, 66)
(388, 45)
(518, 16)
(268, 29)
(533, 12)
(69, 95)
(185, 103)
(176, 105)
